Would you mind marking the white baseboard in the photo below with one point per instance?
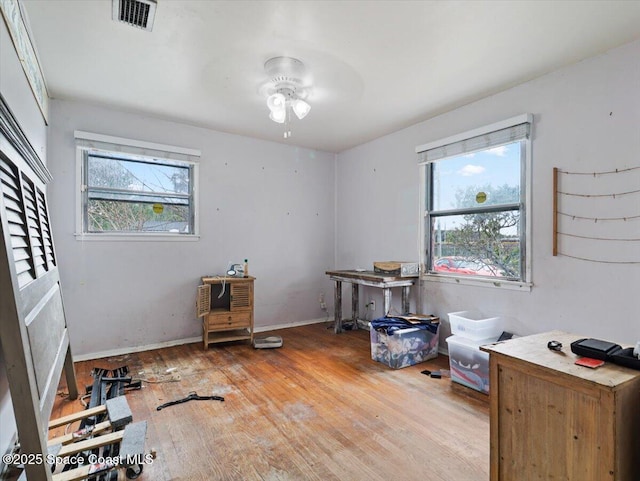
(190, 340)
(179, 342)
(290, 324)
(130, 350)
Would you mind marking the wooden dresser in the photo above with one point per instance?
(225, 305)
(552, 419)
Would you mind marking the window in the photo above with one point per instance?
(475, 203)
(138, 188)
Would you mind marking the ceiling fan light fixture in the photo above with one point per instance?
(286, 90)
(300, 108)
(276, 101)
(278, 115)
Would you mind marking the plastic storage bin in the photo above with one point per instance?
(404, 347)
(468, 364)
(475, 326)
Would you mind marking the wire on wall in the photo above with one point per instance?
(604, 234)
(595, 174)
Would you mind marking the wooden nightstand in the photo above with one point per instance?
(225, 305)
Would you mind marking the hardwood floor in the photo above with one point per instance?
(316, 409)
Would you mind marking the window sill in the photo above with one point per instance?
(479, 282)
(146, 237)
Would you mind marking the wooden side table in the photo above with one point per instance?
(552, 419)
(227, 313)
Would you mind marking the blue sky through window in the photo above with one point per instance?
(478, 173)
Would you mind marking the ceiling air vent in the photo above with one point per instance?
(137, 13)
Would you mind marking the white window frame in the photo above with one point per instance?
(92, 142)
(525, 183)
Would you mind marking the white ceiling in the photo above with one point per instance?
(377, 66)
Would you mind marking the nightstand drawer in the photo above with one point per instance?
(228, 320)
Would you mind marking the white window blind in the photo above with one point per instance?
(506, 132)
(91, 141)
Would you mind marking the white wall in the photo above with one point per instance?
(16, 92)
(265, 201)
(586, 118)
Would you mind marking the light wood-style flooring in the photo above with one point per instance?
(316, 409)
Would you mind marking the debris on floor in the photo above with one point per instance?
(437, 374)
